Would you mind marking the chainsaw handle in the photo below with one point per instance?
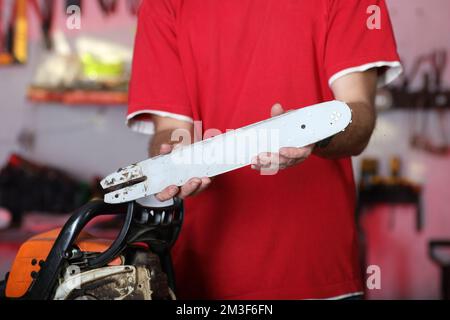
(118, 245)
(48, 276)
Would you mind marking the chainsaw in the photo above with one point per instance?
(71, 264)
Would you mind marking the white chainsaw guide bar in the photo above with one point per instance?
(227, 152)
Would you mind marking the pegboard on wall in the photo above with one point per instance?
(59, 128)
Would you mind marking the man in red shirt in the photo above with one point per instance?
(246, 235)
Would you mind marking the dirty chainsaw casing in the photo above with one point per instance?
(125, 282)
(70, 264)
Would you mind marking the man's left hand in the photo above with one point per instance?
(286, 158)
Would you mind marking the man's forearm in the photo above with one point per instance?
(355, 138)
(164, 133)
(358, 90)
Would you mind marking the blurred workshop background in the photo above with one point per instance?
(62, 110)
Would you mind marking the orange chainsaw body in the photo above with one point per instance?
(35, 251)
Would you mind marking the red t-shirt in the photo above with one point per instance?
(288, 236)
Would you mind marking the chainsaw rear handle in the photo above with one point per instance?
(61, 251)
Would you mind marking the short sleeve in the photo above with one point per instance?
(359, 38)
(157, 85)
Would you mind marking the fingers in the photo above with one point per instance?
(296, 153)
(277, 110)
(271, 161)
(168, 193)
(194, 187)
(166, 148)
(286, 158)
(190, 188)
(206, 182)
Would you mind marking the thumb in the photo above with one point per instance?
(277, 110)
(166, 148)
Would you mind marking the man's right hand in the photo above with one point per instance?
(191, 188)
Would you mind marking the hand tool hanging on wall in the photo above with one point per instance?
(430, 99)
(20, 46)
(404, 96)
(14, 45)
(439, 63)
(2, 38)
(45, 12)
(6, 15)
(108, 7)
(13, 32)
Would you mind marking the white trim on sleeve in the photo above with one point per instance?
(394, 70)
(147, 127)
